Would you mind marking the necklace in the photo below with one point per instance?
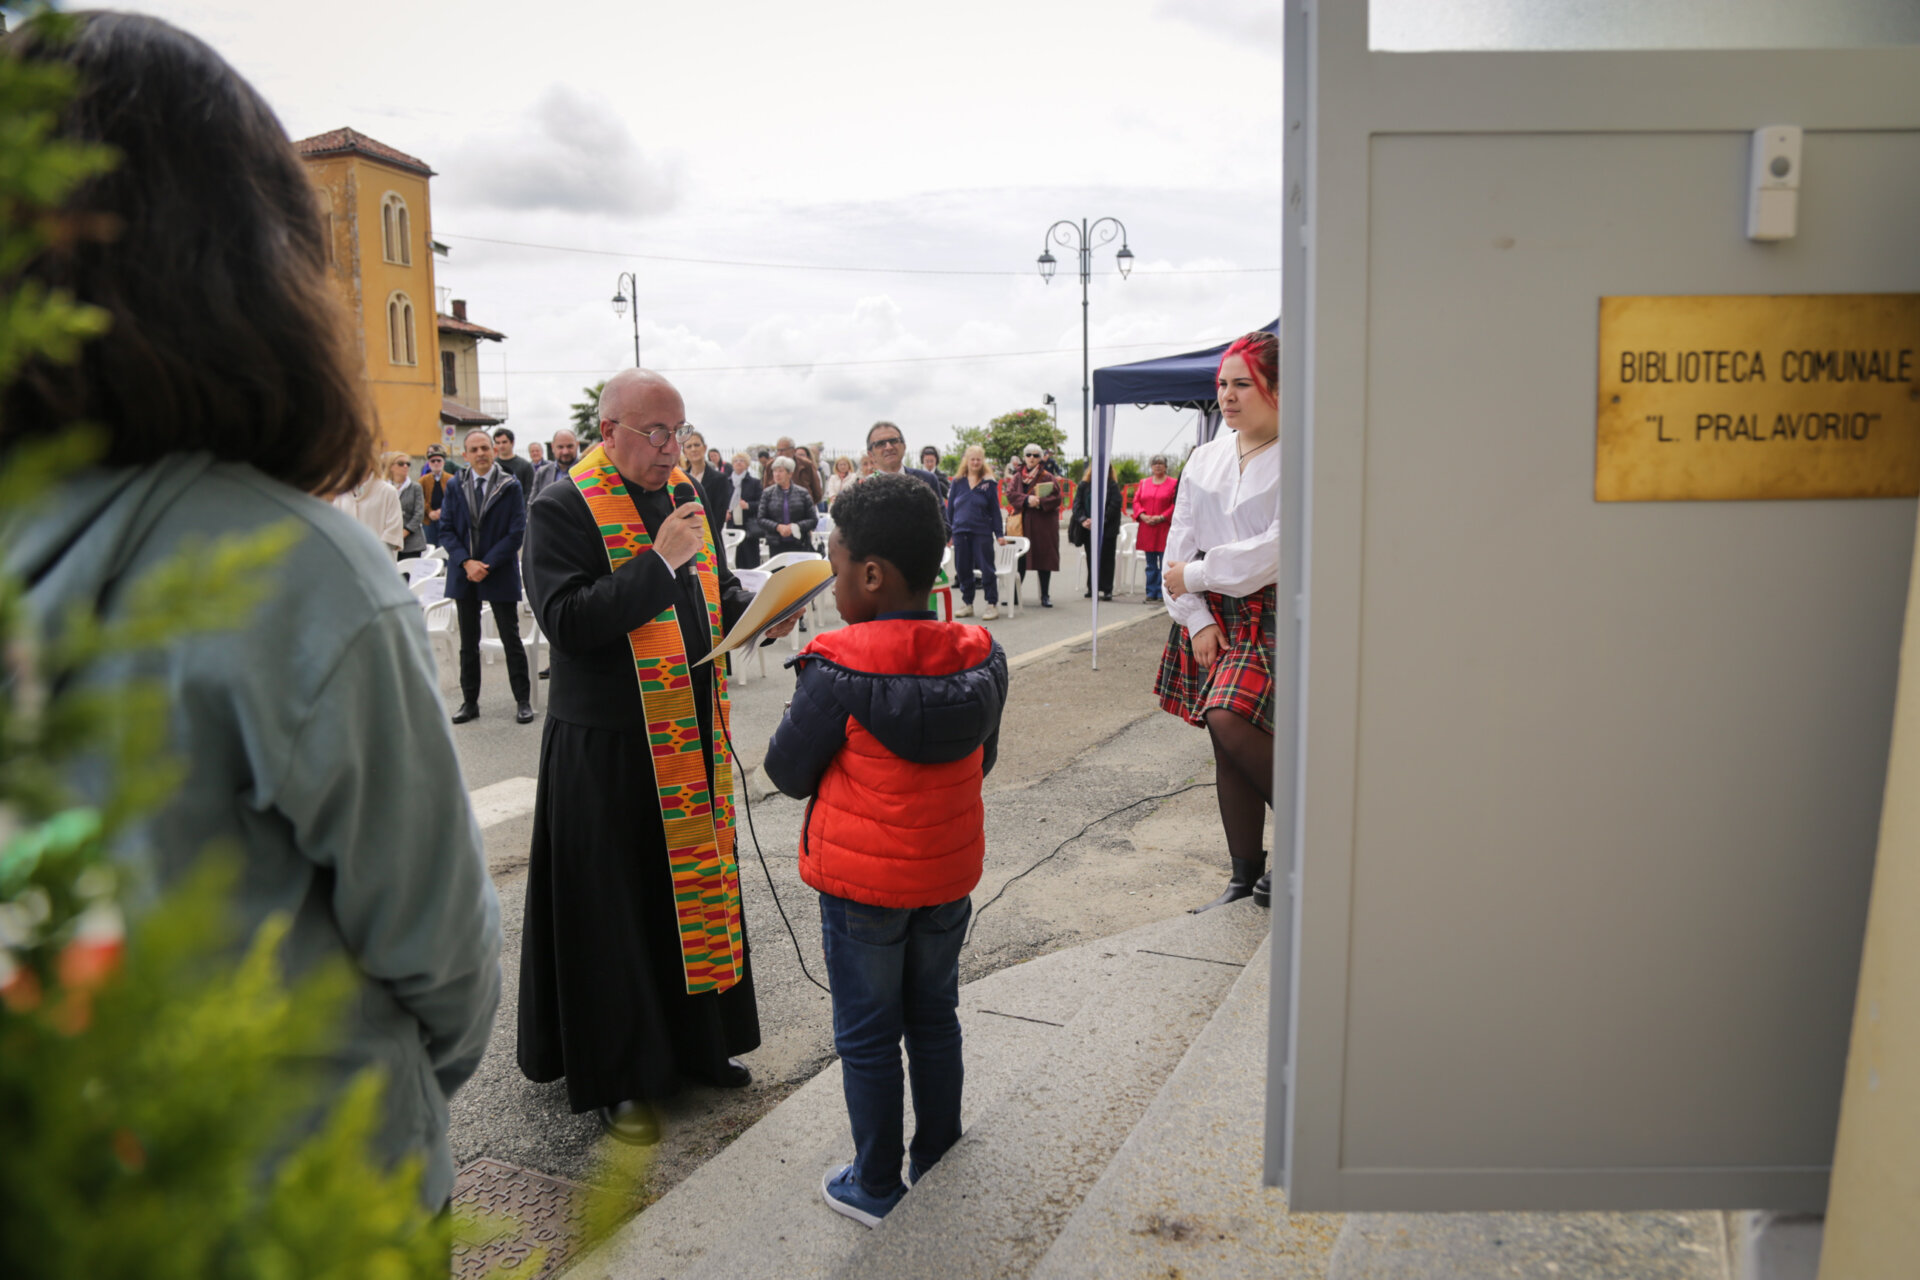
(1248, 453)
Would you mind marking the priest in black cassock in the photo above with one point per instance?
(633, 974)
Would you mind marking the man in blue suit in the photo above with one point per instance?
(481, 528)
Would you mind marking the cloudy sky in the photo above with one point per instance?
(885, 170)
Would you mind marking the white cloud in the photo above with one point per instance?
(574, 153)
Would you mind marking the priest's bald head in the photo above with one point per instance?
(642, 422)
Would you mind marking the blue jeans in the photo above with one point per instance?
(1153, 574)
(896, 972)
(973, 551)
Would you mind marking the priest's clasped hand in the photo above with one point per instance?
(679, 538)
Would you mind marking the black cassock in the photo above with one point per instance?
(603, 998)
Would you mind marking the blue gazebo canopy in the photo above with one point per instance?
(1184, 381)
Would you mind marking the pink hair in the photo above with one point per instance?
(1261, 351)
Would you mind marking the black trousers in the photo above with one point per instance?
(506, 620)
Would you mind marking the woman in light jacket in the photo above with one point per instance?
(1223, 558)
(228, 395)
(413, 502)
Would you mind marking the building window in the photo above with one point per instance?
(400, 349)
(325, 202)
(396, 230)
(448, 383)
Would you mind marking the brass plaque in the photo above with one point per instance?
(1781, 396)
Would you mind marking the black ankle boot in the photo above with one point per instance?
(1239, 885)
(1263, 891)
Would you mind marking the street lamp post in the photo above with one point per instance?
(1084, 237)
(628, 281)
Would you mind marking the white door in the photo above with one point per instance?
(1584, 797)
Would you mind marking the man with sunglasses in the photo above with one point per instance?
(887, 446)
(634, 977)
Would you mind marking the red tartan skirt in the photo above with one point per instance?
(1241, 680)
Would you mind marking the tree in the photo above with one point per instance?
(586, 415)
(1010, 433)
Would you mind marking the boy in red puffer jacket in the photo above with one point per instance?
(894, 723)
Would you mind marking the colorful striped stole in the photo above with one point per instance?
(698, 824)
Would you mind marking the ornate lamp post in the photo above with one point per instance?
(628, 281)
(1084, 237)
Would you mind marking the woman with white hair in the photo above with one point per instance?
(787, 516)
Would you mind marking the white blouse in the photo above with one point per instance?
(1234, 516)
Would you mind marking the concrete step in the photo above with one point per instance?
(755, 1210)
(995, 1204)
(1182, 1197)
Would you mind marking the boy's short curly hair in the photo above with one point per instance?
(895, 518)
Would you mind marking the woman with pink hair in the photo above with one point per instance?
(1222, 560)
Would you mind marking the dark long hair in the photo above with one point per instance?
(227, 335)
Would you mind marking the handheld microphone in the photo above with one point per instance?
(684, 494)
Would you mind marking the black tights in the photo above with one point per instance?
(1243, 764)
(1045, 576)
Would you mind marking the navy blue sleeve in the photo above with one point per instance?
(453, 507)
(501, 554)
(809, 737)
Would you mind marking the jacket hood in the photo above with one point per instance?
(930, 692)
(114, 508)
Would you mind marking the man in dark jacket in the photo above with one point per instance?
(433, 483)
(894, 724)
(481, 528)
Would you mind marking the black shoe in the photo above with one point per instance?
(543, 672)
(1045, 603)
(525, 714)
(1239, 885)
(1263, 891)
(466, 712)
(1106, 595)
(1086, 595)
(631, 1122)
(732, 1075)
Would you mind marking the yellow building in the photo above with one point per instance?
(462, 407)
(373, 200)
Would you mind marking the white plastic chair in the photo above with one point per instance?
(730, 540)
(1125, 557)
(419, 567)
(530, 639)
(427, 590)
(443, 631)
(435, 552)
(1006, 565)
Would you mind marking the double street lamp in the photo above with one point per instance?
(1084, 237)
(628, 281)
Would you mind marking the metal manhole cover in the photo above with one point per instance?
(504, 1215)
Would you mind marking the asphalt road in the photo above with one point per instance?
(1075, 745)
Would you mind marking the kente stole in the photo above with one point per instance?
(698, 825)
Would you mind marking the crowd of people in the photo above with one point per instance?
(321, 749)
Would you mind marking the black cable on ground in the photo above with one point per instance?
(1191, 786)
(746, 797)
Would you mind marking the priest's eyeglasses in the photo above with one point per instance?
(659, 437)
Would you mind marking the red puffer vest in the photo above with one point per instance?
(896, 819)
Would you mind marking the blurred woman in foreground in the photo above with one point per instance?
(230, 393)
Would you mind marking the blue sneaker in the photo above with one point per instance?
(844, 1194)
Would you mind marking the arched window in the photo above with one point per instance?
(400, 337)
(396, 230)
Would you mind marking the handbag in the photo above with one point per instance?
(1016, 525)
